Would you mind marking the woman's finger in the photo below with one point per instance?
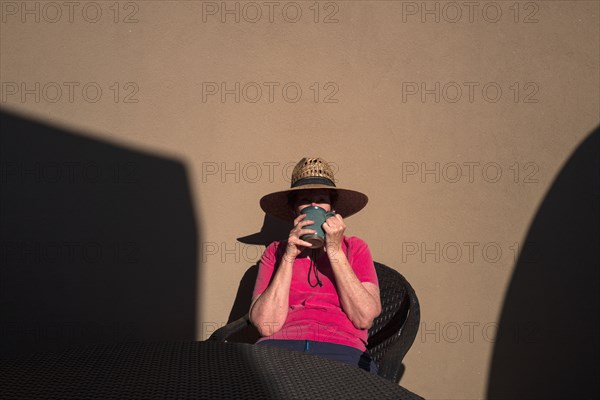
(299, 218)
(303, 243)
(302, 232)
(301, 224)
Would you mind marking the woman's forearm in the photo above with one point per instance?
(361, 305)
(269, 310)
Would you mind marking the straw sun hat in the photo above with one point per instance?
(313, 173)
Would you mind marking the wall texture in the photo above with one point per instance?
(158, 125)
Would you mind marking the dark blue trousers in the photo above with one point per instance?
(332, 351)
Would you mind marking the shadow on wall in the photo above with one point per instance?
(547, 343)
(98, 243)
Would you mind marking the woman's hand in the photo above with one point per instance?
(295, 245)
(334, 228)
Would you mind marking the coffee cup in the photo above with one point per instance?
(318, 215)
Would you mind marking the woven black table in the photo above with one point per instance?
(188, 370)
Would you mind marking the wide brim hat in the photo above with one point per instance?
(313, 173)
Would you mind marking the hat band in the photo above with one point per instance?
(313, 180)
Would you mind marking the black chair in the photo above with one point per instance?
(392, 333)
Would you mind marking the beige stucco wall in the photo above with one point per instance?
(501, 94)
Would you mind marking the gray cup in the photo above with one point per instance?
(318, 216)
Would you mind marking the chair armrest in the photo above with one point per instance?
(390, 366)
(221, 334)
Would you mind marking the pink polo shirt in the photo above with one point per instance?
(316, 313)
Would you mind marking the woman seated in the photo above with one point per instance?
(317, 300)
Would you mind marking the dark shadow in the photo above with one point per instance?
(547, 343)
(241, 306)
(273, 229)
(98, 242)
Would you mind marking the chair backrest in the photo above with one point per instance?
(394, 331)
